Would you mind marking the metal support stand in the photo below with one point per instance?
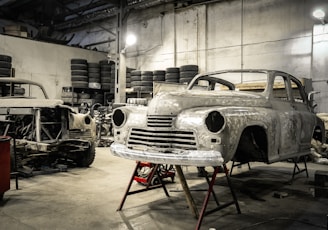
(235, 164)
(297, 169)
(154, 172)
(210, 191)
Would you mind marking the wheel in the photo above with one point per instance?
(154, 180)
(87, 157)
(1, 196)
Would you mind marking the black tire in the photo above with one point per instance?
(159, 78)
(135, 78)
(80, 84)
(172, 70)
(105, 80)
(135, 73)
(93, 70)
(79, 72)
(147, 73)
(105, 68)
(136, 83)
(94, 75)
(93, 65)
(159, 72)
(79, 67)
(105, 73)
(79, 61)
(172, 76)
(146, 77)
(5, 65)
(5, 72)
(188, 74)
(189, 68)
(147, 83)
(172, 80)
(79, 78)
(5, 58)
(87, 157)
(94, 79)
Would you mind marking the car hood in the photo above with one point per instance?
(171, 103)
(28, 102)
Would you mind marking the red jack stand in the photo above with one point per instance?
(146, 181)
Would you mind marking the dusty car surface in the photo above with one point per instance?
(45, 129)
(241, 115)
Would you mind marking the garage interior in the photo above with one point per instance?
(47, 40)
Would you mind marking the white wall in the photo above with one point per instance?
(269, 34)
(46, 63)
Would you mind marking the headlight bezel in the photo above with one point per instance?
(214, 121)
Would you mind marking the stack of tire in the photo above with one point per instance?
(136, 80)
(187, 73)
(128, 78)
(112, 76)
(105, 75)
(5, 66)
(79, 73)
(172, 74)
(159, 75)
(146, 84)
(94, 76)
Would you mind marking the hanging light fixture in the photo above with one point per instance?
(320, 15)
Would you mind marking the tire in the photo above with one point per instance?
(189, 68)
(5, 72)
(172, 76)
(146, 77)
(94, 75)
(94, 79)
(106, 86)
(79, 61)
(135, 78)
(147, 83)
(172, 70)
(105, 80)
(159, 72)
(159, 78)
(136, 83)
(147, 73)
(79, 67)
(188, 74)
(79, 78)
(87, 157)
(5, 58)
(93, 70)
(135, 73)
(79, 72)
(80, 84)
(5, 65)
(93, 65)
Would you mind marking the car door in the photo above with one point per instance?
(288, 118)
(306, 117)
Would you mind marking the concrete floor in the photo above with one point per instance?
(87, 198)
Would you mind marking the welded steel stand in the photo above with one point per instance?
(297, 169)
(211, 191)
(148, 187)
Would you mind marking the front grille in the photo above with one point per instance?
(163, 139)
(159, 121)
(80, 134)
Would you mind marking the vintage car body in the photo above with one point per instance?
(44, 128)
(261, 115)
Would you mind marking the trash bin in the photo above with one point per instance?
(4, 165)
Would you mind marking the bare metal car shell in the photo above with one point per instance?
(45, 126)
(246, 125)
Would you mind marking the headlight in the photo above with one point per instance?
(119, 117)
(214, 121)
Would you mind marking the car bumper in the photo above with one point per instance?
(181, 157)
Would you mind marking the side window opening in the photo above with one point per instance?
(279, 89)
(296, 92)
